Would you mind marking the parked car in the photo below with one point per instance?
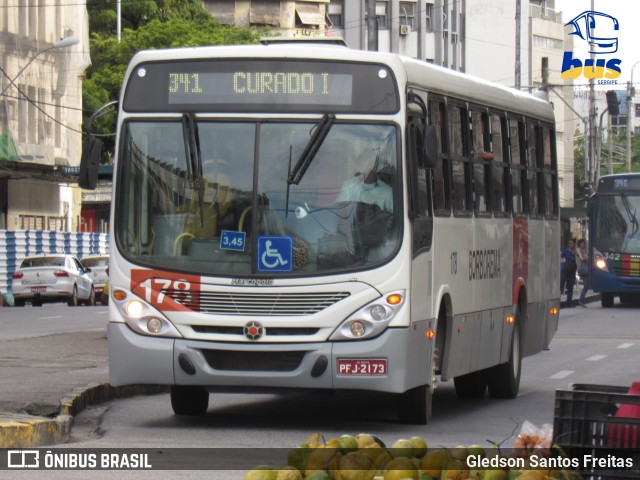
(99, 266)
(52, 278)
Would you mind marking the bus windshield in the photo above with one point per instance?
(241, 215)
(616, 226)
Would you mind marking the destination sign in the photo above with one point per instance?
(619, 183)
(261, 85)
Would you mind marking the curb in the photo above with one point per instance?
(595, 297)
(19, 431)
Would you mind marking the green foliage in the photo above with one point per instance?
(145, 25)
(613, 148)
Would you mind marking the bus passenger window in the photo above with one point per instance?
(482, 157)
(532, 169)
(460, 174)
(499, 169)
(518, 170)
(441, 191)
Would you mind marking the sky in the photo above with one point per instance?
(627, 12)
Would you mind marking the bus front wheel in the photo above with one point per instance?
(189, 400)
(504, 379)
(606, 299)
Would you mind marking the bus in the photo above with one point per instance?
(614, 238)
(321, 218)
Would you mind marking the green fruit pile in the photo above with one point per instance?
(365, 457)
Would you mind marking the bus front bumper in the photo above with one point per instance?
(395, 361)
(605, 282)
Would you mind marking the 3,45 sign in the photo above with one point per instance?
(165, 290)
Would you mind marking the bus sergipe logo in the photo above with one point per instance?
(599, 31)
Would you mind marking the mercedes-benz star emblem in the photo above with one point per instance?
(253, 330)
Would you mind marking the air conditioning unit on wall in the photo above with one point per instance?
(405, 29)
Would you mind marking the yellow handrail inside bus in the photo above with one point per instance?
(178, 240)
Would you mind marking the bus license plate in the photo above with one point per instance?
(38, 289)
(367, 366)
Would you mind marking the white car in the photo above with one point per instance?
(99, 273)
(52, 278)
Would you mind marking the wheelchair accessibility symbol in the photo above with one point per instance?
(275, 254)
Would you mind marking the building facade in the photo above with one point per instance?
(41, 113)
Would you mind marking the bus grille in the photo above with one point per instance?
(627, 266)
(253, 361)
(271, 331)
(257, 304)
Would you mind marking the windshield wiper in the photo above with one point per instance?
(309, 153)
(194, 158)
(632, 215)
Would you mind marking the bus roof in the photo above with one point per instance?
(413, 72)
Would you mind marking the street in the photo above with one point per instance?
(593, 345)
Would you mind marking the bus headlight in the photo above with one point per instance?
(143, 318)
(599, 261)
(370, 320)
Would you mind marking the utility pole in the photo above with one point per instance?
(630, 93)
(629, 123)
(592, 125)
(372, 26)
(518, 23)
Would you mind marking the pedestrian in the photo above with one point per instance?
(582, 257)
(568, 270)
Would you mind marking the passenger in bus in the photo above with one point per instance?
(364, 185)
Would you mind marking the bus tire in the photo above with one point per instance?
(414, 406)
(504, 380)
(189, 400)
(471, 385)
(606, 299)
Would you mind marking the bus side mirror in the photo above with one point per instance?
(589, 207)
(428, 155)
(90, 163)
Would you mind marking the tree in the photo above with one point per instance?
(150, 27)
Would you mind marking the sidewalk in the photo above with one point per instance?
(47, 380)
(591, 297)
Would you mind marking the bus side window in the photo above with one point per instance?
(550, 173)
(441, 176)
(518, 169)
(499, 167)
(533, 141)
(482, 157)
(458, 130)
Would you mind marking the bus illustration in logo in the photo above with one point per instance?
(598, 30)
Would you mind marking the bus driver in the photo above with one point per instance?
(365, 186)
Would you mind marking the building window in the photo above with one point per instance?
(382, 15)
(547, 42)
(637, 110)
(407, 14)
(335, 13)
(428, 23)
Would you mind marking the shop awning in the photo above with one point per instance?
(310, 15)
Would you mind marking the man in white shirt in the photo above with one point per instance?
(365, 186)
